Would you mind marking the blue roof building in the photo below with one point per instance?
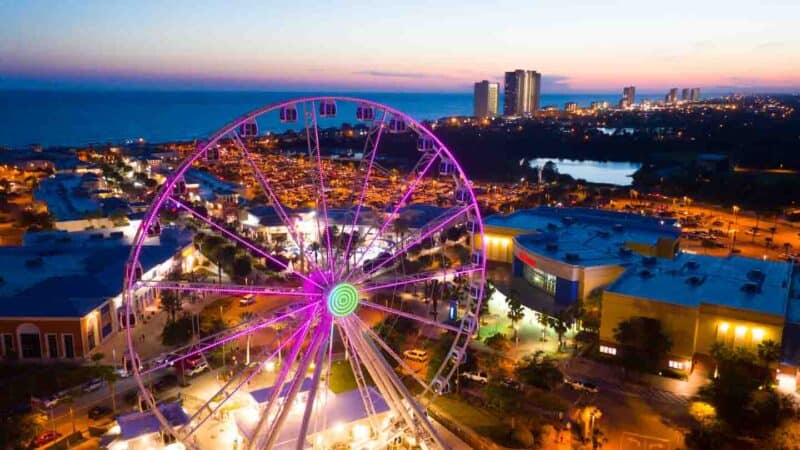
(61, 293)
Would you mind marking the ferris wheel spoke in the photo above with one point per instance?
(211, 342)
(265, 186)
(408, 315)
(399, 204)
(222, 288)
(414, 239)
(241, 240)
(372, 142)
(314, 151)
(378, 284)
(375, 338)
(224, 390)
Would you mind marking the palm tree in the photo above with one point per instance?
(315, 247)
(400, 227)
(171, 304)
(769, 352)
(559, 324)
(108, 374)
(515, 311)
(488, 292)
(544, 322)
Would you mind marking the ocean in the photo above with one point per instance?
(75, 118)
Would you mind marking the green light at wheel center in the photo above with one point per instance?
(342, 300)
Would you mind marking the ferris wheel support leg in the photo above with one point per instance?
(383, 385)
(394, 387)
(355, 364)
(312, 395)
(279, 383)
(322, 334)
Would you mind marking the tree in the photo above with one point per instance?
(539, 370)
(544, 321)
(177, 332)
(769, 352)
(488, 292)
(559, 325)
(18, 430)
(643, 345)
(504, 398)
(242, 266)
(516, 312)
(109, 375)
(171, 304)
(498, 342)
(786, 435)
(737, 393)
(400, 227)
(97, 357)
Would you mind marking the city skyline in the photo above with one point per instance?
(125, 47)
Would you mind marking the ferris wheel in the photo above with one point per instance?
(364, 249)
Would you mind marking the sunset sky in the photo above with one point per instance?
(579, 45)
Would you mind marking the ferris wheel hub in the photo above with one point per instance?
(342, 300)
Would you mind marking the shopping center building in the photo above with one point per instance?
(560, 255)
(570, 253)
(61, 294)
(702, 300)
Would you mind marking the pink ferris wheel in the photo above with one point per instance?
(366, 254)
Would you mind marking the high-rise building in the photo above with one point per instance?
(486, 99)
(571, 107)
(522, 89)
(599, 106)
(686, 93)
(695, 95)
(628, 96)
(672, 96)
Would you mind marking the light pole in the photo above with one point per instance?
(223, 343)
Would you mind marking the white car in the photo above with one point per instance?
(581, 385)
(93, 385)
(198, 368)
(247, 300)
(478, 377)
(416, 355)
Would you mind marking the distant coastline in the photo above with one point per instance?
(53, 118)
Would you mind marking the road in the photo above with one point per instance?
(735, 229)
(634, 416)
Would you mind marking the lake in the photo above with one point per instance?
(610, 172)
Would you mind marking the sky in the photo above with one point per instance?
(409, 45)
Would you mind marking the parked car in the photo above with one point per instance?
(478, 377)
(98, 412)
(511, 383)
(247, 300)
(93, 385)
(50, 401)
(46, 438)
(416, 354)
(197, 368)
(167, 381)
(581, 385)
(159, 360)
